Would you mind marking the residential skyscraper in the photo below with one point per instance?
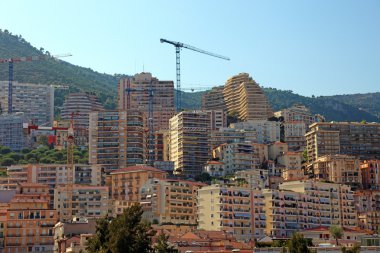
(116, 139)
(137, 89)
(246, 99)
(189, 142)
(36, 101)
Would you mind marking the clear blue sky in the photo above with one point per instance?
(319, 47)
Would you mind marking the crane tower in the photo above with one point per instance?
(178, 46)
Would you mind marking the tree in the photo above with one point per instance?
(162, 245)
(7, 161)
(204, 177)
(298, 244)
(99, 242)
(129, 234)
(337, 233)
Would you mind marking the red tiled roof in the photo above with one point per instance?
(137, 168)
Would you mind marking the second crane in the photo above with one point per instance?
(178, 46)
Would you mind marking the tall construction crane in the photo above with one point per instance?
(178, 46)
(10, 62)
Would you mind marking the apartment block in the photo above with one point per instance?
(214, 99)
(342, 169)
(235, 156)
(347, 138)
(86, 201)
(259, 131)
(244, 97)
(170, 201)
(29, 222)
(11, 131)
(36, 101)
(291, 160)
(299, 205)
(294, 134)
(51, 174)
(297, 113)
(370, 171)
(117, 139)
(235, 210)
(125, 184)
(189, 142)
(257, 178)
(134, 94)
(368, 208)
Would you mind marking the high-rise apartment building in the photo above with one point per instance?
(300, 205)
(347, 138)
(297, 113)
(11, 131)
(189, 142)
(245, 98)
(36, 101)
(235, 210)
(214, 99)
(134, 93)
(79, 105)
(116, 139)
(170, 201)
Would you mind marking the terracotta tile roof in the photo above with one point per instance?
(137, 168)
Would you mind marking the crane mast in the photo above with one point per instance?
(178, 46)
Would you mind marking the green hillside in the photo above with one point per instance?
(54, 71)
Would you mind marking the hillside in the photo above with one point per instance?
(354, 107)
(369, 102)
(53, 71)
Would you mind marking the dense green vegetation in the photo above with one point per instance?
(43, 155)
(127, 233)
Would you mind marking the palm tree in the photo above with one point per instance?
(336, 232)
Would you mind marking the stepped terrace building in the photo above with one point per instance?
(244, 97)
(214, 99)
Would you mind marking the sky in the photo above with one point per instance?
(317, 48)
